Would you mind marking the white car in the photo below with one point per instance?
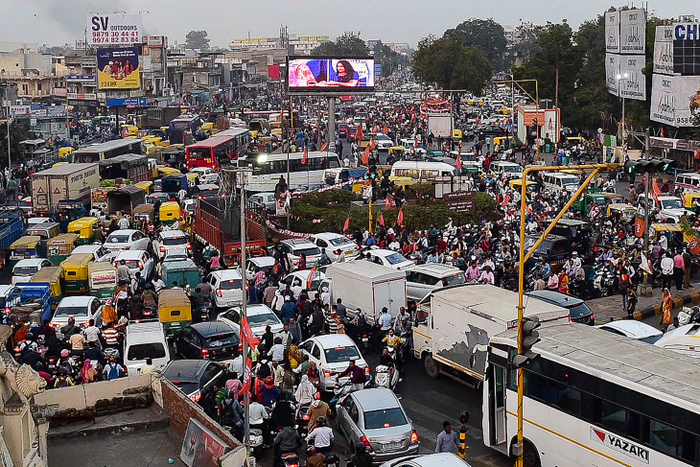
(25, 269)
(332, 354)
(188, 206)
(99, 252)
(136, 261)
(266, 200)
(171, 242)
(383, 141)
(206, 175)
(255, 264)
(226, 287)
(126, 239)
(335, 244)
(82, 308)
(391, 259)
(633, 329)
(438, 459)
(259, 317)
(294, 249)
(424, 278)
(298, 281)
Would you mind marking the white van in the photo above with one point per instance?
(556, 182)
(424, 278)
(685, 340)
(688, 182)
(145, 340)
(506, 168)
(420, 171)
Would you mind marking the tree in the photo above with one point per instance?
(485, 34)
(347, 45)
(389, 59)
(197, 40)
(18, 132)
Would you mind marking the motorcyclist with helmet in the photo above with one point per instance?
(321, 437)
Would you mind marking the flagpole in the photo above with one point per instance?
(244, 358)
(370, 209)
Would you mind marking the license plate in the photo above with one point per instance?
(394, 446)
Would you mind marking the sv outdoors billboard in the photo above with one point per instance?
(324, 75)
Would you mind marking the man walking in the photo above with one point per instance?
(447, 440)
(678, 270)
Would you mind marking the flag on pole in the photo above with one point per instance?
(247, 375)
(365, 156)
(346, 227)
(527, 208)
(380, 219)
(324, 146)
(312, 276)
(374, 128)
(247, 334)
(655, 191)
(506, 200)
(359, 135)
(389, 202)
(385, 130)
(399, 218)
(458, 161)
(306, 155)
(372, 144)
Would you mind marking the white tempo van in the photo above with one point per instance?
(556, 182)
(145, 340)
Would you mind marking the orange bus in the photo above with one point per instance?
(221, 149)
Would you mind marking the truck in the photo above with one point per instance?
(29, 303)
(11, 227)
(217, 221)
(440, 125)
(366, 286)
(70, 181)
(132, 167)
(157, 117)
(125, 199)
(454, 325)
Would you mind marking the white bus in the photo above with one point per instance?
(420, 171)
(688, 182)
(593, 398)
(267, 169)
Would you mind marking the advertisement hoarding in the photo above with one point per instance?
(612, 69)
(635, 85)
(612, 32)
(663, 50)
(201, 446)
(330, 75)
(675, 100)
(686, 48)
(632, 31)
(118, 68)
(114, 29)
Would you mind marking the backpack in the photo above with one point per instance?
(113, 371)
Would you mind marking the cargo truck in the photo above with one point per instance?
(70, 181)
(11, 227)
(454, 325)
(29, 303)
(440, 125)
(366, 286)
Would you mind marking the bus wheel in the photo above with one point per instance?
(531, 457)
(432, 367)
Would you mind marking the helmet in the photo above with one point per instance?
(321, 421)
(65, 353)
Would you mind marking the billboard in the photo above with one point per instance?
(612, 69)
(612, 32)
(675, 100)
(330, 75)
(632, 31)
(686, 48)
(635, 85)
(663, 50)
(118, 68)
(114, 29)
(201, 446)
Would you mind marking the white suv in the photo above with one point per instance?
(334, 244)
(294, 248)
(171, 242)
(226, 288)
(142, 341)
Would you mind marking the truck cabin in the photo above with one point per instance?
(555, 249)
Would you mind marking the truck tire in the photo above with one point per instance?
(431, 367)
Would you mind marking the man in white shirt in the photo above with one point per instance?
(124, 222)
(667, 270)
(321, 436)
(258, 418)
(385, 320)
(92, 333)
(158, 284)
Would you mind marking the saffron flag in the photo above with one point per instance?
(346, 227)
(380, 219)
(458, 161)
(506, 200)
(372, 143)
(386, 130)
(655, 191)
(247, 334)
(359, 135)
(365, 156)
(312, 276)
(399, 218)
(374, 128)
(306, 155)
(247, 375)
(324, 146)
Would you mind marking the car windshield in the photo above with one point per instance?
(580, 310)
(674, 203)
(230, 284)
(172, 241)
(307, 251)
(144, 351)
(118, 239)
(262, 319)
(340, 241)
(341, 354)
(25, 271)
(455, 279)
(384, 418)
(395, 258)
(71, 310)
(512, 168)
(569, 181)
(221, 340)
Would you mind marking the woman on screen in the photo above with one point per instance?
(346, 75)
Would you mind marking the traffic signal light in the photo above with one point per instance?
(529, 337)
(642, 166)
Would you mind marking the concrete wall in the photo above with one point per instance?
(180, 409)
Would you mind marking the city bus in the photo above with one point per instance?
(220, 149)
(101, 151)
(267, 169)
(593, 398)
(688, 182)
(184, 123)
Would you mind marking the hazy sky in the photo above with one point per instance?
(54, 22)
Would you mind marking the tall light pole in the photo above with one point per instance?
(620, 92)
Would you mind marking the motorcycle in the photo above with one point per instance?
(689, 315)
(290, 459)
(386, 376)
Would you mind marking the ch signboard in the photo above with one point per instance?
(114, 29)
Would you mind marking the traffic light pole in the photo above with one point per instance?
(518, 447)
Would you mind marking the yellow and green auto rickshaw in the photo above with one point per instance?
(174, 310)
(65, 154)
(27, 247)
(54, 276)
(146, 186)
(76, 273)
(169, 212)
(102, 279)
(85, 228)
(59, 248)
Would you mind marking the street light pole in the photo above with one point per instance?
(622, 77)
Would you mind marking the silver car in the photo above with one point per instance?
(375, 418)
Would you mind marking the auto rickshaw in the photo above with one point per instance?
(174, 310)
(65, 154)
(626, 211)
(397, 151)
(183, 271)
(169, 212)
(613, 198)
(457, 136)
(163, 171)
(145, 186)
(102, 279)
(29, 246)
(59, 248)
(54, 275)
(192, 178)
(517, 185)
(76, 273)
(143, 212)
(85, 228)
(673, 232)
(692, 201)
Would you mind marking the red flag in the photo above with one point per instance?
(324, 146)
(365, 156)
(312, 276)
(346, 227)
(380, 219)
(247, 374)
(372, 143)
(415, 143)
(506, 200)
(399, 218)
(663, 133)
(359, 135)
(527, 208)
(385, 130)
(374, 128)
(306, 155)
(459, 161)
(655, 191)
(247, 334)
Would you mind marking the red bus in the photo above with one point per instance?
(219, 149)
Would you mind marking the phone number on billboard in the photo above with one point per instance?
(685, 120)
(114, 38)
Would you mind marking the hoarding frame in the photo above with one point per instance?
(129, 29)
(612, 32)
(104, 80)
(633, 31)
(329, 91)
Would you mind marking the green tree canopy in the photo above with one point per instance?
(389, 59)
(197, 40)
(347, 45)
(485, 34)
